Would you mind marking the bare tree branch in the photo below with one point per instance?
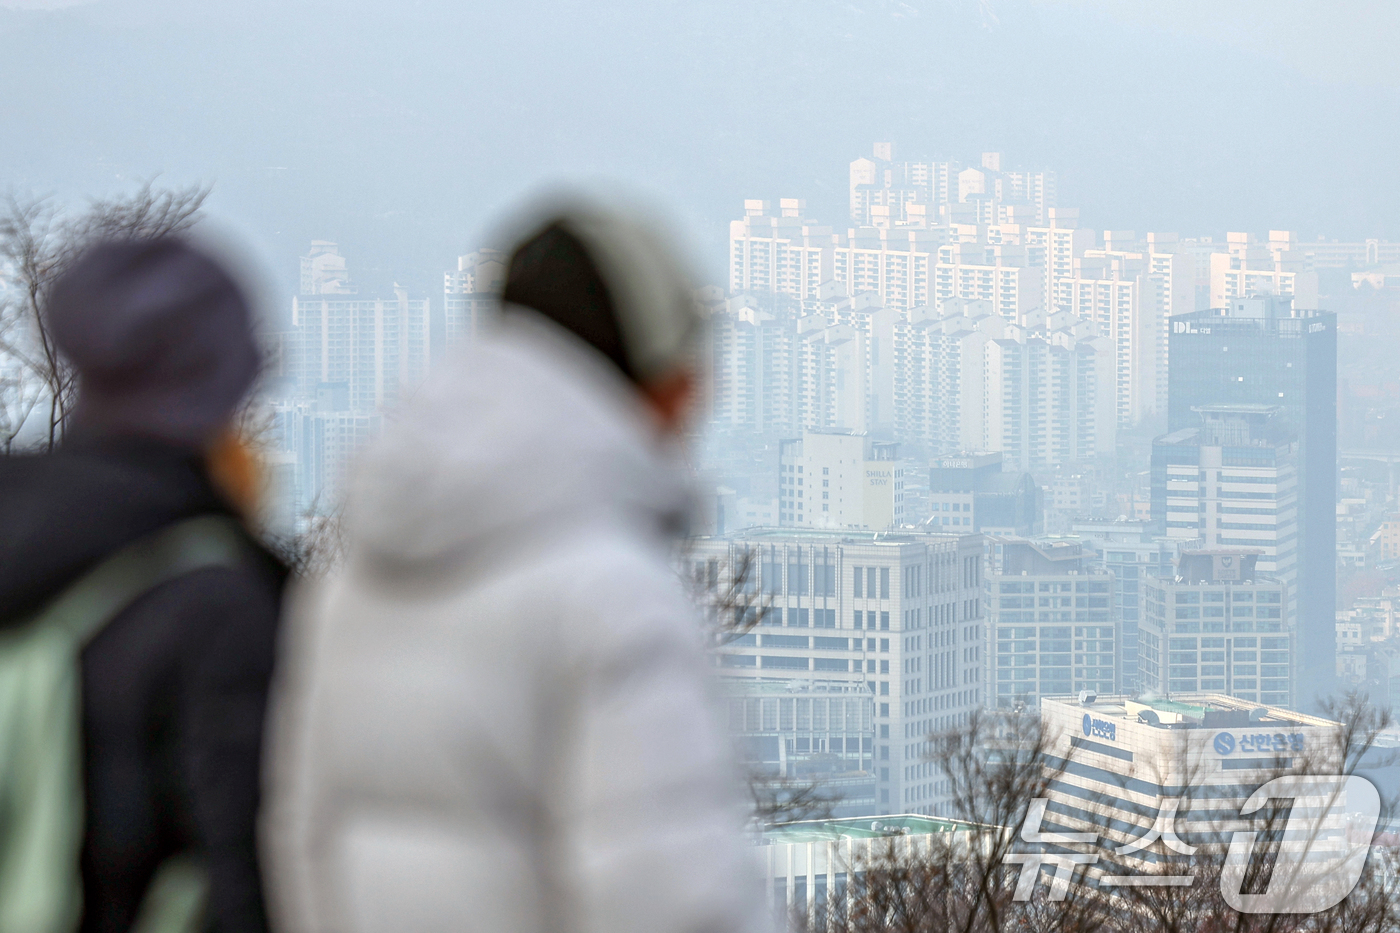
(38, 242)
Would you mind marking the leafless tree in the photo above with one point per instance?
(996, 765)
(39, 241)
(727, 593)
(778, 798)
(18, 396)
(321, 546)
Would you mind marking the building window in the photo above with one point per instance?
(884, 583)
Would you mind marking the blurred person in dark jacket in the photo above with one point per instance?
(497, 715)
(174, 685)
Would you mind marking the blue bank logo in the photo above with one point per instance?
(1224, 743)
(1100, 727)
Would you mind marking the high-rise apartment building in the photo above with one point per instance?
(314, 443)
(1249, 269)
(997, 274)
(323, 271)
(379, 347)
(376, 347)
(1050, 624)
(785, 254)
(785, 371)
(897, 614)
(1130, 290)
(1040, 393)
(840, 480)
(883, 188)
(1049, 395)
(1264, 351)
(1054, 246)
(470, 294)
(965, 378)
(940, 379)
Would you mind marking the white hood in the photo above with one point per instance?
(529, 433)
(497, 716)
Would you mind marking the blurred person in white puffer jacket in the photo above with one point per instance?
(496, 715)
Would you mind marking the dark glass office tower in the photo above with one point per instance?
(1262, 351)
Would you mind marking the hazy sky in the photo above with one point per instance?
(400, 129)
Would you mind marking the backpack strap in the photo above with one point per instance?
(41, 792)
(103, 592)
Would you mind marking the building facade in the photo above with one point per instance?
(1219, 625)
(807, 733)
(1141, 775)
(1132, 554)
(839, 480)
(1050, 624)
(1232, 482)
(971, 491)
(899, 615)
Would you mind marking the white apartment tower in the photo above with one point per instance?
(881, 187)
(379, 347)
(1249, 269)
(323, 271)
(783, 255)
(828, 368)
(470, 294)
(968, 380)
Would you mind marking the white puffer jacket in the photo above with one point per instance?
(497, 716)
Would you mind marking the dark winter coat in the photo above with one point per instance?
(174, 687)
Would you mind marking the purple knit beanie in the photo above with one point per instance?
(161, 337)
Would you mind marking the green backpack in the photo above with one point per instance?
(41, 789)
